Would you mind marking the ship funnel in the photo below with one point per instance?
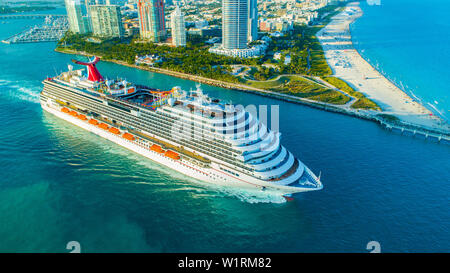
(93, 74)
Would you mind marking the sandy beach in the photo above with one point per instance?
(347, 64)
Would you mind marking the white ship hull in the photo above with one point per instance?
(211, 175)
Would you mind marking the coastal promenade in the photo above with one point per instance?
(348, 64)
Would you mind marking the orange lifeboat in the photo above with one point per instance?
(65, 110)
(104, 126)
(157, 148)
(128, 136)
(114, 130)
(73, 113)
(82, 117)
(93, 122)
(172, 154)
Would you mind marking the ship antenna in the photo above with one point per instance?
(320, 174)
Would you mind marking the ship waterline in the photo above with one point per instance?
(190, 133)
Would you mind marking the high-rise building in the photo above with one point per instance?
(151, 20)
(178, 27)
(234, 24)
(76, 16)
(252, 20)
(106, 21)
(87, 4)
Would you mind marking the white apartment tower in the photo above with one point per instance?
(178, 27)
(78, 23)
(235, 24)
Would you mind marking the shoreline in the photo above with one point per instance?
(370, 115)
(349, 65)
(232, 86)
(409, 94)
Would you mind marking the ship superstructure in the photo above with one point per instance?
(189, 132)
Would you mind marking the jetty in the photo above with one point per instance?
(52, 30)
(30, 16)
(413, 130)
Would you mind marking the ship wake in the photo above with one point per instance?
(20, 90)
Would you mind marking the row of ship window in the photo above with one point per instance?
(209, 151)
(168, 133)
(235, 131)
(198, 119)
(192, 131)
(228, 171)
(105, 109)
(195, 125)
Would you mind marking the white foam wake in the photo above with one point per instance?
(21, 90)
(248, 196)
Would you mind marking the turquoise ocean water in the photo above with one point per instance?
(59, 183)
(408, 41)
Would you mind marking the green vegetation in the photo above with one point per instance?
(342, 85)
(305, 50)
(365, 103)
(269, 84)
(305, 89)
(361, 103)
(264, 73)
(193, 59)
(301, 87)
(302, 45)
(389, 118)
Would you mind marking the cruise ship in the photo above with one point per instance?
(187, 131)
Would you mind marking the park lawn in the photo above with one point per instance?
(300, 87)
(342, 85)
(331, 96)
(306, 89)
(365, 103)
(269, 84)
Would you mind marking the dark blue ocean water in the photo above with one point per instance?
(408, 41)
(59, 183)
